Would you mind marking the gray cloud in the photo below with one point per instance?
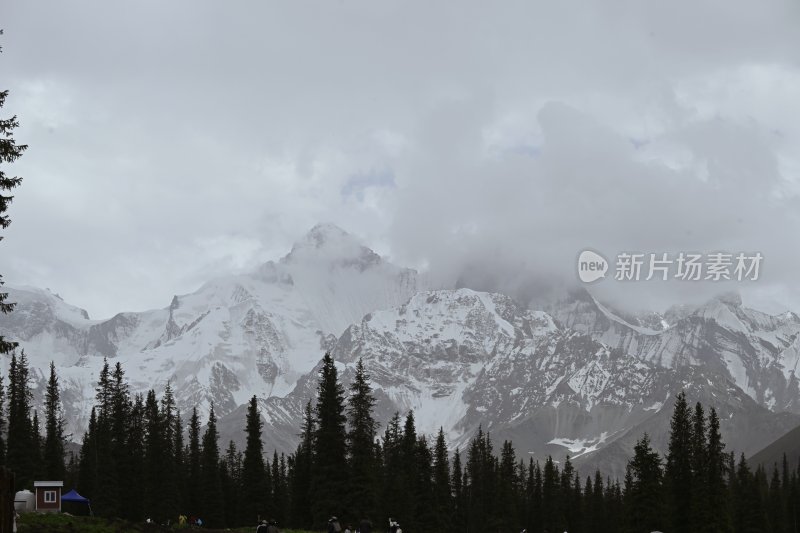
(174, 142)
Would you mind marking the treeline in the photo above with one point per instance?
(138, 460)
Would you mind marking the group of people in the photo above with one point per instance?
(365, 526)
(265, 526)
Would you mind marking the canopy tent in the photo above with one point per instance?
(73, 496)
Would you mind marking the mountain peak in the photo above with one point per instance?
(323, 233)
(328, 243)
(732, 298)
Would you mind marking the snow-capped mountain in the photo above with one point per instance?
(234, 337)
(580, 378)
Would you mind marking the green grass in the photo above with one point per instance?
(61, 523)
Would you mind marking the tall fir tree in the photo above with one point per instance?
(361, 446)
(211, 484)
(2, 422)
(117, 419)
(507, 488)
(442, 490)
(253, 498)
(643, 490)
(36, 446)
(10, 151)
(301, 472)
(88, 474)
(329, 482)
(598, 505)
(480, 484)
(21, 455)
(550, 496)
(715, 497)
(230, 479)
(154, 460)
(279, 497)
(170, 484)
(53, 453)
(105, 495)
(193, 477)
(679, 477)
(701, 514)
(424, 513)
(406, 498)
(537, 513)
(136, 481)
(459, 495)
(393, 495)
(180, 463)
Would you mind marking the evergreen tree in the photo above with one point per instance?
(565, 492)
(2, 422)
(115, 421)
(105, 498)
(329, 482)
(405, 485)
(193, 477)
(701, 514)
(507, 482)
(598, 505)
(155, 460)
(53, 454)
(716, 496)
(393, 465)
(748, 515)
(180, 463)
(361, 449)
(536, 497)
(36, 446)
(9, 152)
(21, 455)
(643, 494)
(278, 489)
(424, 514)
(550, 496)
(283, 512)
(253, 504)
(104, 390)
(231, 475)
(442, 490)
(481, 486)
(211, 487)
(459, 496)
(301, 473)
(87, 477)
(135, 483)
(170, 484)
(679, 476)
(775, 503)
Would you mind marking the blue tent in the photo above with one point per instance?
(73, 496)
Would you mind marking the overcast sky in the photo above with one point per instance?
(171, 142)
